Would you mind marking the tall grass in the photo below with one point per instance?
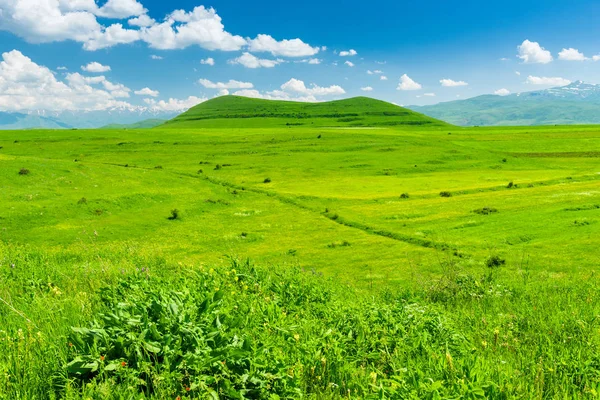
(119, 324)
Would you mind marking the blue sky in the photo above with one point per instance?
(56, 53)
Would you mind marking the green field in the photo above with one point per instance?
(341, 201)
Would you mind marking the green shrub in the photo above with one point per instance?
(485, 211)
(445, 194)
(24, 171)
(174, 214)
(267, 180)
(82, 200)
(404, 196)
(510, 185)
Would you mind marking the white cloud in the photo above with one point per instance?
(25, 85)
(533, 53)
(517, 73)
(383, 78)
(348, 53)
(251, 61)
(312, 61)
(113, 35)
(596, 58)
(95, 67)
(155, 57)
(571, 55)
(119, 9)
(208, 61)
(536, 80)
(451, 83)
(201, 27)
(61, 68)
(350, 64)
(429, 94)
(232, 84)
(222, 92)
(367, 89)
(376, 72)
(298, 86)
(408, 84)
(284, 48)
(174, 104)
(147, 92)
(143, 21)
(502, 92)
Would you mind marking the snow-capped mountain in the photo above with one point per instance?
(576, 103)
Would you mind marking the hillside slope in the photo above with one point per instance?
(577, 103)
(236, 112)
(145, 124)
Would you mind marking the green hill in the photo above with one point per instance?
(145, 124)
(236, 112)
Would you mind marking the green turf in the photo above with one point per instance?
(360, 205)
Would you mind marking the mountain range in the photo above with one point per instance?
(121, 117)
(576, 103)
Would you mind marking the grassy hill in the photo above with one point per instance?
(236, 111)
(145, 124)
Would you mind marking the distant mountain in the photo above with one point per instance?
(577, 103)
(145, 124)
(237, 112)
(80, 119)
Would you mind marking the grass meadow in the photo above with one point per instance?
(274, 261)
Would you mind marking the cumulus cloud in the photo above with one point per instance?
(451, 83)
(251, 61)
(429, 94)
(95, 67)
(61, 68)
(283, 48)
(147, 92)
(517, 73)
(571, 55)
(181, 29)
(556, 81)
(298, 86)
(155, 57)
(406, 83)
(350, 64)
(208, 61)
(533, 53)
(119, 9)
(383, 78)
(174, 105)
(142, 21)
(502, 92)
(348, 53)
(44, 21)
(232, 84)
(25, 85)
(376, 72)
(367, 89)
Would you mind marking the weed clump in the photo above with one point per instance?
(158, 167)
(82, 200)
(494, 262)
(174, 214)
(485, 211)
(218, 167)
(200, 172)
(404, 196)
(24, 171)
(510, 185)
(267, 180)
(445, 194)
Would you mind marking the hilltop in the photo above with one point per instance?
(576, 103)
(236, 111)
